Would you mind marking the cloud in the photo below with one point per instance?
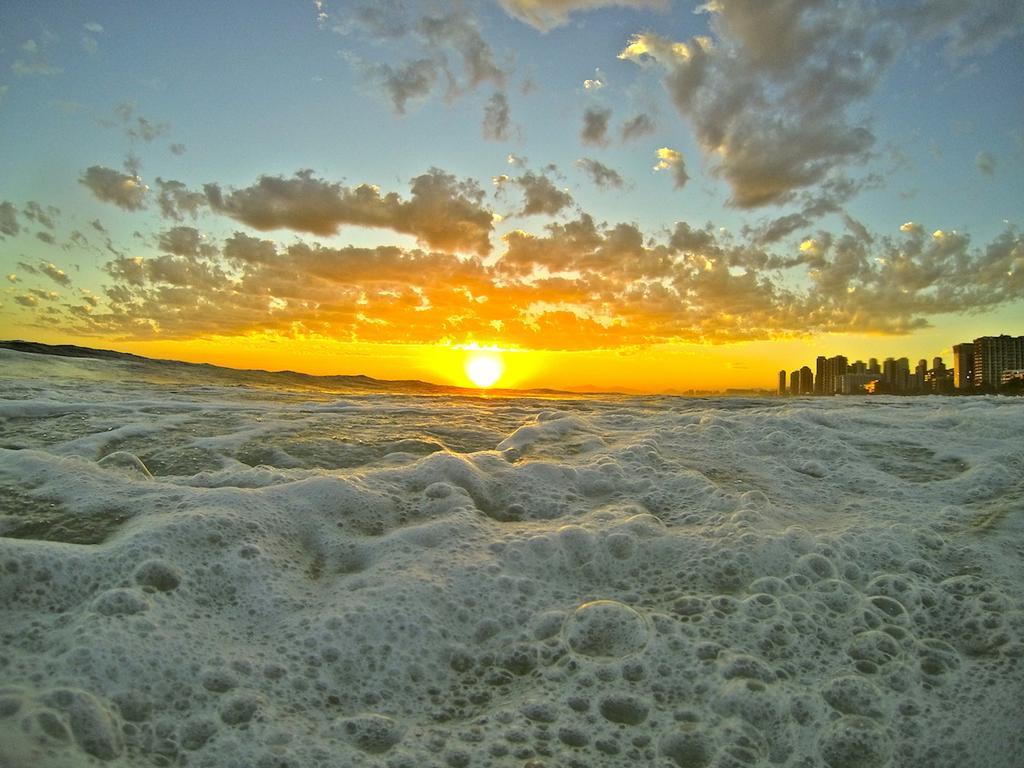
(34, 57)
(321, 12)
(88, 40)
(579, 284)
(966, 29)
(176, 149)
(497, 121)
(9, 226)
(545, 15)
(410, 82)
(986, 163)
(444, 46)
(459, 32)
(46, 237)
(12, 278)
(33, 211)
(778, 228)
(772, 115)
(772, 94)
(601, 174)
(637, 126)
(58, 276)
(176, 200)
(828, 197)
(26, 300)
(541, 196)
(596, 83)
(671, 160)
(110, 186)
(184, 241)
(442, 212)
(595, 126)
(137, 126)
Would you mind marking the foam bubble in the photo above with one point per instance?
(605, 628)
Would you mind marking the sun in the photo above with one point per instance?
(484, 369)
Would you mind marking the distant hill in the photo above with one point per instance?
(258, 377)
(68, 350)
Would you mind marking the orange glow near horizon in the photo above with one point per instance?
(665, 368)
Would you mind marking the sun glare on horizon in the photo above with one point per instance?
(484, 370)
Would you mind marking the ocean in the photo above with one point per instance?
(201, 567)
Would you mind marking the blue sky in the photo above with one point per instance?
(797, 137)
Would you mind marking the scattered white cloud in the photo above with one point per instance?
(637, 126)
(671, 160)
(419, 47)
(771, 92)
(177, 201)
(545, 15)
(986, 163)
(56, 274)
(89, 42)
(601, 174)
(34, 56)
(9, 226)
(497, 123)
(595, 126)
(45, 217)
(541, 196)
(442, 212)
(111, 186)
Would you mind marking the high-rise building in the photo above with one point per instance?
(834, 368)
(806, 381)
(920, 372)
(873, 366)
(902, 375)
(993, 355)
(819, 375)
(896, 374)
(963, 366)
(794, 383)
(782, 382)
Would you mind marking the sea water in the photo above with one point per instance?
(212, 569)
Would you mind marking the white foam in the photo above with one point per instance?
(266, 579)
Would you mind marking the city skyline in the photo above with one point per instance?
(982, 365)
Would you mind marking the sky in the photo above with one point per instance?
(641, 195)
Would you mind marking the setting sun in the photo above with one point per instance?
(484, 369)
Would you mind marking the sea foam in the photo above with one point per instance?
(212, 575)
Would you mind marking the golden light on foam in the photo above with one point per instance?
(484, 368)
